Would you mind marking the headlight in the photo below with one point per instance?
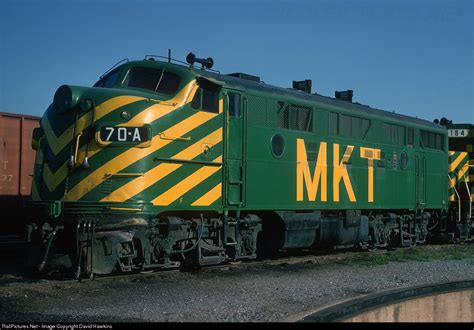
(65, 98)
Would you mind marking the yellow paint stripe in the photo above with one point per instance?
(161, 109)
(187, 184)
(456, 162)
(460, 176)
(452, 198)
(134, 154)
(113, 104)
(154, 175)
(210, 197)
(58, 143)
(452, 182)
(52, 180)
(463, 170)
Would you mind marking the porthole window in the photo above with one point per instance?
(277, 145)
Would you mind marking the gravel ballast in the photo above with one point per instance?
(277, 291)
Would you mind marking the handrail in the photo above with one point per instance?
(77, 148)
(469, 193)
(179, 138)
(459, 201)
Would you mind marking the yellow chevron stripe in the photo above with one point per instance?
(161, 109)
(53, 180)
(460, 176)
(452, 182)
(113, 104)
(452, 198)
(210, 197)
(154, 175)
(462, 171)
(58, 143)
(134, 154)
(187, 184)
(456, 162)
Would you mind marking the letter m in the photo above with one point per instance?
(303, 173)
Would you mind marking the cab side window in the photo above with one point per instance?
(234, 104)
(206, 100)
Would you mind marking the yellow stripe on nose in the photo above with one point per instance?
(154, 175)
(52, 180)
(187, 184)
(210, 197)
(132, 155)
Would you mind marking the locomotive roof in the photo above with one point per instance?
(355, 107)
(235, 82)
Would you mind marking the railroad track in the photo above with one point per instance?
(283, 259)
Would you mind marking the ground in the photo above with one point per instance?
(285, 289)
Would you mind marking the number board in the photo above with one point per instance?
(124, 134)
(458, 133)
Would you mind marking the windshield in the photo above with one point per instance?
(109, 80)
(153, 79)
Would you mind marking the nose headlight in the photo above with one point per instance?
(65, 98)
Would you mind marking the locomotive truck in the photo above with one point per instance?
(162, 164)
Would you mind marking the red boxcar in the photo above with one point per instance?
(17, 159)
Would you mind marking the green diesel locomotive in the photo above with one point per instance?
(161, 163)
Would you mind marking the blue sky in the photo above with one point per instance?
(409, 56)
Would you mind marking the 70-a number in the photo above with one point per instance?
(122, 133)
